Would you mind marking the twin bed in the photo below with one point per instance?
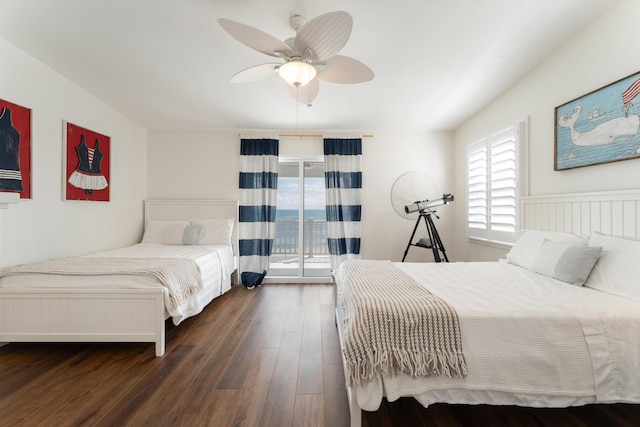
(540, 328)
(126, 294)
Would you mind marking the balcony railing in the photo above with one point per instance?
(287, 237)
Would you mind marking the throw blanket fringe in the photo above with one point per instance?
(181, 277)
(393, 325)
(415, 364)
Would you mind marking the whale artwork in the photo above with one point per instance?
(601, 127)
(605, 133)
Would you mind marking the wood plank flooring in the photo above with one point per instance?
(265, 357)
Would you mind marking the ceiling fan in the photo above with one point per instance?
(307, 57)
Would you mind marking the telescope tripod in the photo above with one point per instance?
(433, 242)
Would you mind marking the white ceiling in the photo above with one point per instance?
(166, 63)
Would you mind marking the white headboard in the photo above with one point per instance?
(194, 209)
(615, 213)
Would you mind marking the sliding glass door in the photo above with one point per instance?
(300, 251)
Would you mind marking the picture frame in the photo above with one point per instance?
(602, 126)
(87, 164)
(15, 145)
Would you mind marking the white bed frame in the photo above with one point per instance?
(614, 213)
(88, 315)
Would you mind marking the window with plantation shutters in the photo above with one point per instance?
(492, 186)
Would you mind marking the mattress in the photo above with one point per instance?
(528, 340)
(216, 263)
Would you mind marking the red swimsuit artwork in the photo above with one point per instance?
(88, 174)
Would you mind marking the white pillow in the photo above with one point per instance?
(566, 262)
(529, 242)
(154, 230)
(216, 231)
(618, 269)
(174, 234)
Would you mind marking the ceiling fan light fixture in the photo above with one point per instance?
(308, 57)
(297, 73)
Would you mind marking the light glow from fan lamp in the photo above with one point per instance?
(297, 73)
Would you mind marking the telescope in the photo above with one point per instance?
(428, 204)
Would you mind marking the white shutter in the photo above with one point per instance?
(492, 186)
(477, 189)
(503, 184)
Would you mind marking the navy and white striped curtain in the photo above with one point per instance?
(343, 182)
(257, 214)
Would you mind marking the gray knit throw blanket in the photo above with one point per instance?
(181, 277)
(392, 325)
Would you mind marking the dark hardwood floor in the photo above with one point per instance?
(266, 357)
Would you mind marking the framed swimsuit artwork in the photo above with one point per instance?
(87, 164)
(15, 149)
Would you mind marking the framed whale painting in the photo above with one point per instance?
(600, 127)
(87, 164)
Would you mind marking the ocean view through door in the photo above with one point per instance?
(300, 251)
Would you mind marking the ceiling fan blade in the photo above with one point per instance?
(254, 38)
(257, 72)
(324, 35)
(346, 70)
(305, 94)
(291, 42)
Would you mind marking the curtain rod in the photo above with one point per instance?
(314, 135)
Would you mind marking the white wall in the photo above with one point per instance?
(602, 53)
(193, 165)
(206, 165)
(389, 155)
(45, 226)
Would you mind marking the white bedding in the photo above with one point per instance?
(216, 264)
(528, 340)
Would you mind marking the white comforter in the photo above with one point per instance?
(216, 264)
(528, 340)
